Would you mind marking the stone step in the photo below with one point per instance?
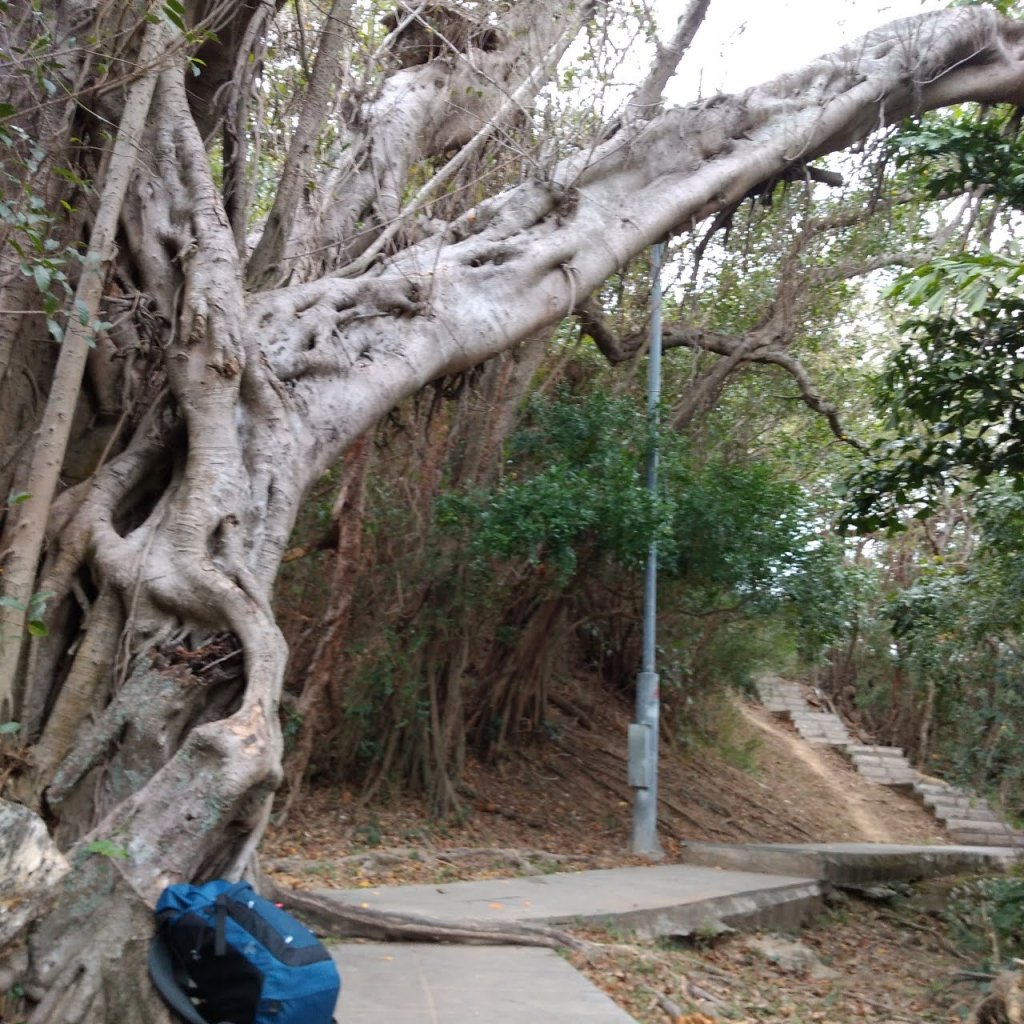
(969, 836)
(991, 828)
(832, 735)
(864, 748)
(885, 777)
(948, 814)
(926, 789)
(851, 863)
(817, 729)
(820, 725)
(784, 707)
(966, 803)
(881, 760)
(821, 739)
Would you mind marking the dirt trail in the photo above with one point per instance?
(859, 804)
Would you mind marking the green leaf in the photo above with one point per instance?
(174, 12)
(8, 728)
(106, 848)
(42, 276)
(37, 603)
(37, 628)
(10, 602)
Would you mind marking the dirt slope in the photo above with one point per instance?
(568, 795)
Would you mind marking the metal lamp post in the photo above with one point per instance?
(643, 733)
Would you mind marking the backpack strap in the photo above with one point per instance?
(220, 918)
(161, 970)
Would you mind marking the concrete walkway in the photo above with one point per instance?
(413, 983)
(670, 899)
(759, 886)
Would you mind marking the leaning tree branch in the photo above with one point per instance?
(810, 395)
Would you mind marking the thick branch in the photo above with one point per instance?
(327, 68)
(452, 104)
(645, 100)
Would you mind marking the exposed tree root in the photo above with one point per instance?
(345, 921)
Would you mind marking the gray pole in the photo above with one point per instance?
(643, 733)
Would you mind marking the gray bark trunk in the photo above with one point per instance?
(153, 702)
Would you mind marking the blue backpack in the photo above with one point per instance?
(224, 955)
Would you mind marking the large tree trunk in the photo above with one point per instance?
(149, 711)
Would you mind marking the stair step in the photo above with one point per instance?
(972, 814)
(895, 777)
(942, 789)
(991, 827)
(966, 802)
(820, 728)
(864, 748)
(881, 760)
(972, 837)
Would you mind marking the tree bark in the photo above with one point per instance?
(156, 708)
(26, 533)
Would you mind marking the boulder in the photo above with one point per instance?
(30, 867)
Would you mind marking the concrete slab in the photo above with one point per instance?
(412, 983)
(665, 899)
(855, 863)
(418, 983)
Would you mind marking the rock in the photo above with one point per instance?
(30, 867)
(789, 956)
(880, 892)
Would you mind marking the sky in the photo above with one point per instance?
(744, 42)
